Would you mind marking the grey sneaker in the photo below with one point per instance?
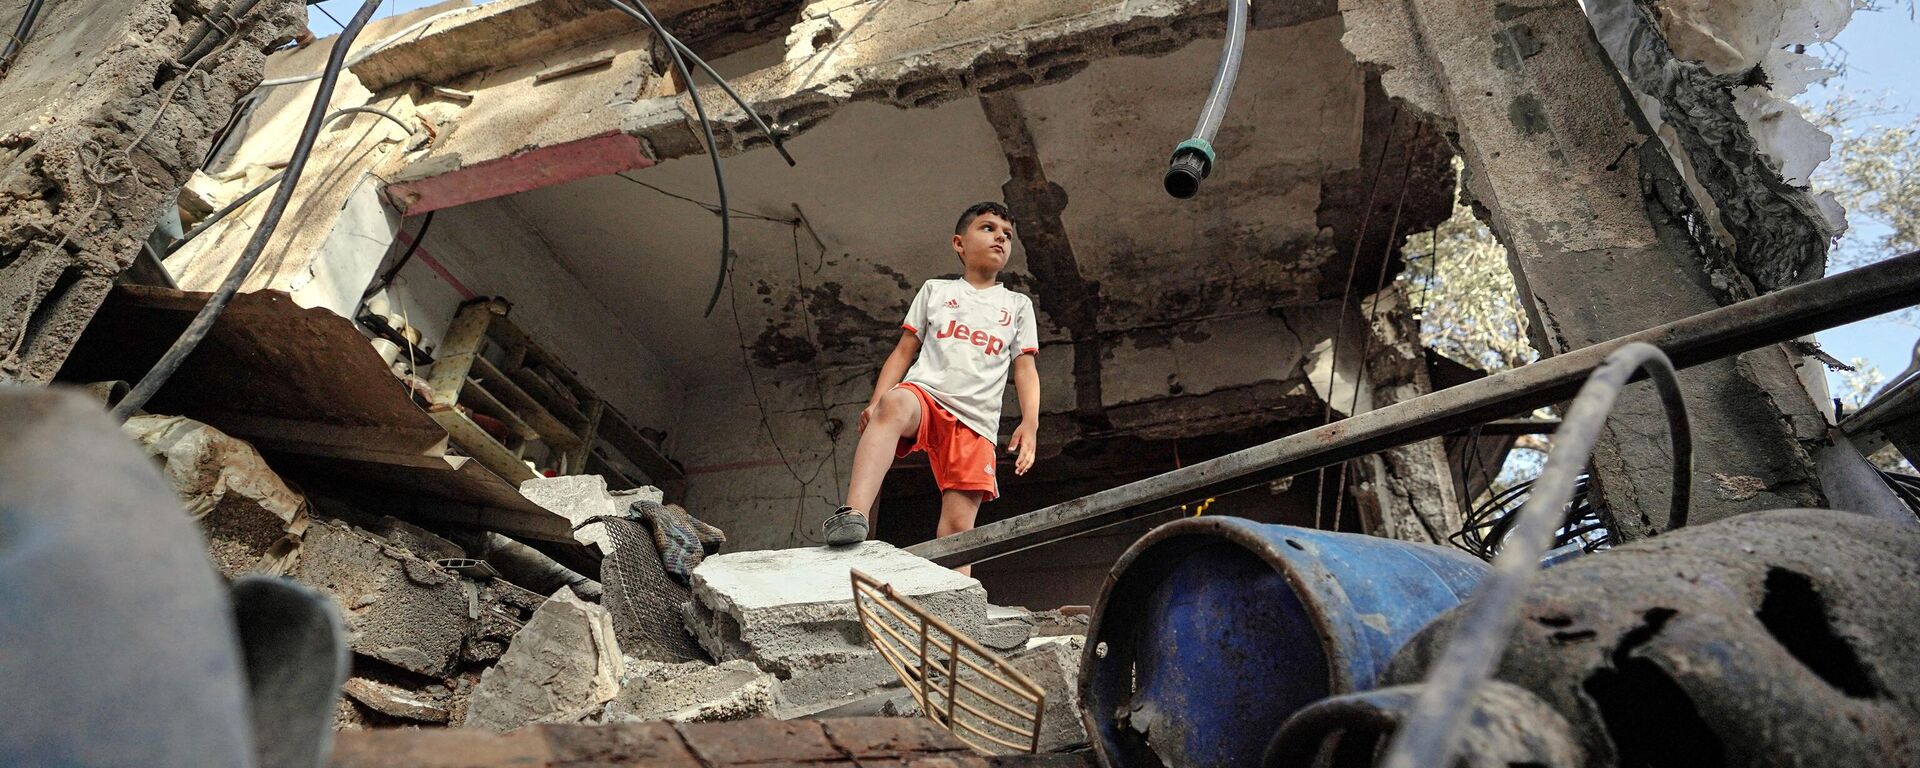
(846, 526)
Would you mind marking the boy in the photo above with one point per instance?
(961, 338)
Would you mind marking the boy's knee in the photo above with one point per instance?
(898, 407)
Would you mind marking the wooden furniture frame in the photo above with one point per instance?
(538, 398)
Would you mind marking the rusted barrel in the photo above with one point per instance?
(1213, 631)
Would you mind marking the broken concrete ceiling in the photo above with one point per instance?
(879, 186)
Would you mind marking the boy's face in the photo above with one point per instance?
(986, 243)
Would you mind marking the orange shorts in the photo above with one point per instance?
(962, 460)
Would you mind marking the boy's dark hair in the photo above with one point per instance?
(979, 209)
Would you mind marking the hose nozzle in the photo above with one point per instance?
(1191, 162)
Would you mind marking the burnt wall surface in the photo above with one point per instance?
(103, 123)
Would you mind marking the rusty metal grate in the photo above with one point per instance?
(971, 691)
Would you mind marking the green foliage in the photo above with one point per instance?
(1463, 289)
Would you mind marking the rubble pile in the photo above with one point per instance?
(791, 612)
(441, 639)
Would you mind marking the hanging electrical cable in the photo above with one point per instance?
(209, 221)
(645, 16)
(387, 277)
(203, 321)
(706, 130)
(1193, 159)
(20, 35)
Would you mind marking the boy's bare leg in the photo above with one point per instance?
(898, 416)
(957, 511)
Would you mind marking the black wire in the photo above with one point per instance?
(713, 148)
(323, 11)
(203, 321)
(392, 272)
(20, 35)
(674, 45)
(208, 222)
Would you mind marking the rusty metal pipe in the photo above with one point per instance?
(1751, 324)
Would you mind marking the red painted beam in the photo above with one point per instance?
(521, 171)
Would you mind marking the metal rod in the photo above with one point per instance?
(1751, 324)
(1430, 733)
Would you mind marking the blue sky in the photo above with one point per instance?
(1881, 63)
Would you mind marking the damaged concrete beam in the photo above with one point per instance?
(518, 30)
(1596, 218)
(102, 129)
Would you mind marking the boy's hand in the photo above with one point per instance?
(867, 414)
(1025, 440)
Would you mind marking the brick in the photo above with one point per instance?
(655, 745)
(878, 737)
(759, 742)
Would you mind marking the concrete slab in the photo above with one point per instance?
(791, 613)
(579, 497)
(398, 608)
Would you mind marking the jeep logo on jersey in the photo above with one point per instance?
(958, 330)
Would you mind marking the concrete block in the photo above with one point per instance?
(398, 608)
(694, 692)
(1054, 664)
(791, 613)
(1007, 628)
(579, 497)
(561, 667)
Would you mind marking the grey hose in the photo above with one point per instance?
(1429, 735)
(1193, 159)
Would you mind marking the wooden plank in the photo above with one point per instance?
(475, 442)
(545, 423)
(546, 395)
(459, 347)
(636, 448)
(476, 396)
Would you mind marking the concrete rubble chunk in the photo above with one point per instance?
(251, 518)
(563, 665)
(580, 497)
(791, 612)
(504, 609)
(395, 701)
(398, 608)
(1007, 629)
(1053, 663)
(692, 692)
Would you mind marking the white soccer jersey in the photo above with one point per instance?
(968, 339)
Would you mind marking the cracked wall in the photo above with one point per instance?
(102, 128)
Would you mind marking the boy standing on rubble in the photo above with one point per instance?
(941, 388)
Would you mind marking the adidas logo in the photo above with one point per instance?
(953, 303)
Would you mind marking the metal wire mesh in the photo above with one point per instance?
(644, 600)
(971, 691)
